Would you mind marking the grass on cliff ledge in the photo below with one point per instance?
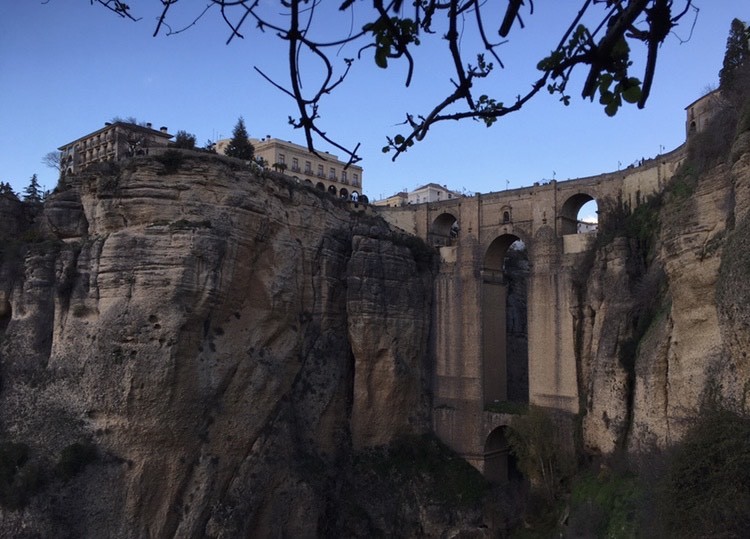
(699, 487)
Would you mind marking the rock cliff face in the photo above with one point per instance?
(222, 341)
(188, 349)
(665, 327)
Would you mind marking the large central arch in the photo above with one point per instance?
(495, 327)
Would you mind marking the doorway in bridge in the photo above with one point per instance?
(579, 215)
(505, 363)
(500, 465)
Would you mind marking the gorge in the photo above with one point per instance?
(189, 348)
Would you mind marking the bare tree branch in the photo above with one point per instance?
(391, 35)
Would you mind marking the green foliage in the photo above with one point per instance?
(171, 159)
(543, 450)
(642, 224)
(733, 284)
(7, 190)
(33, 192)
(425, 459)
(706, 488)
(605, 504)
(127, 120)
(239, 146)
(737, 52)
(184, 140)
(612, 69)
(626, 89)
(683, 183)
(392, 36)
(74, 458)
(209, 146)
(19, 478)
(505, 407)
(12, 457)
(712, 145)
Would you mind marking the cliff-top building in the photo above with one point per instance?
(324, 170)
(430, 192)
(116, 140)
(700, 111)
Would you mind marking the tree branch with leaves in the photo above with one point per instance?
(391, 30)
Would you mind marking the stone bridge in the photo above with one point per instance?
(490, 353)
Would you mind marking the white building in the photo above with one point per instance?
(431, 192)
(323, 170)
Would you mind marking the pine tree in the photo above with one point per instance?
(239, 146)
(33, 192)
(7, 190)
(738, 50)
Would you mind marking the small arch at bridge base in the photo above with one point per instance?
(500, 465)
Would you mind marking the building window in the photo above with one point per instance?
(282, 159)
(308, 167)
(343, 176)
(320, 171)
(295, 164)
(332, 174)
(355, 179)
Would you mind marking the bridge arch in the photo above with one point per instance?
(569, 212)
(500, 465)
(444, 229)
(505, 371)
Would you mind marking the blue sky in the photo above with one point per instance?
(66, 67)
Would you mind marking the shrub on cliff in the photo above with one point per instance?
(184, 140)
(544, 451)
(171, 159)
(706, 488)
(19, 477)
(74, 458)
